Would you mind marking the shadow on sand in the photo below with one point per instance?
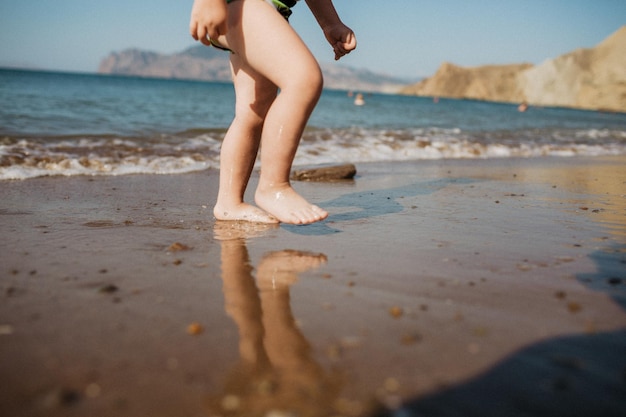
(570, 376)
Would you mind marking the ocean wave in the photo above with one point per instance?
(367, 145)
(194, 150)
(30, 158)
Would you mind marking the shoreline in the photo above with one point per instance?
(441, 285)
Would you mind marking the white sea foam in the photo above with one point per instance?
(369, 146)
(28, 158)
(71, 167)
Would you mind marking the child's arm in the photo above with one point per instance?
(340, 37)
(208, 17)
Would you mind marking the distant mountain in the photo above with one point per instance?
(593, 78)
(196, 63)
(210, 64)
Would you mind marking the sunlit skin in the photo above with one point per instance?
(264, 119)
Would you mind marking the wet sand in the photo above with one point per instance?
(454, 288)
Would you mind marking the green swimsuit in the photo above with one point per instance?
(283, 6)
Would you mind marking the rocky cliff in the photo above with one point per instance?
(593, 78)
(210, 64)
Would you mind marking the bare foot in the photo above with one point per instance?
(287, 205)
(243, 212)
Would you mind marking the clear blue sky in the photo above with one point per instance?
(408, 38)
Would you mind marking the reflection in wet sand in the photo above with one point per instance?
(277, 373)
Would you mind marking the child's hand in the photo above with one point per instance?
(208, 18)
(341, 38)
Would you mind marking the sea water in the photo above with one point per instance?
(88, 124)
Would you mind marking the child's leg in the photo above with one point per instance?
(269, 48)
(253, 95)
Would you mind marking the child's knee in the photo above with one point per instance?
(315, 78)
(316, 81)
(308, 83)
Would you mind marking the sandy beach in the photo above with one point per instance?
(435, 288)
